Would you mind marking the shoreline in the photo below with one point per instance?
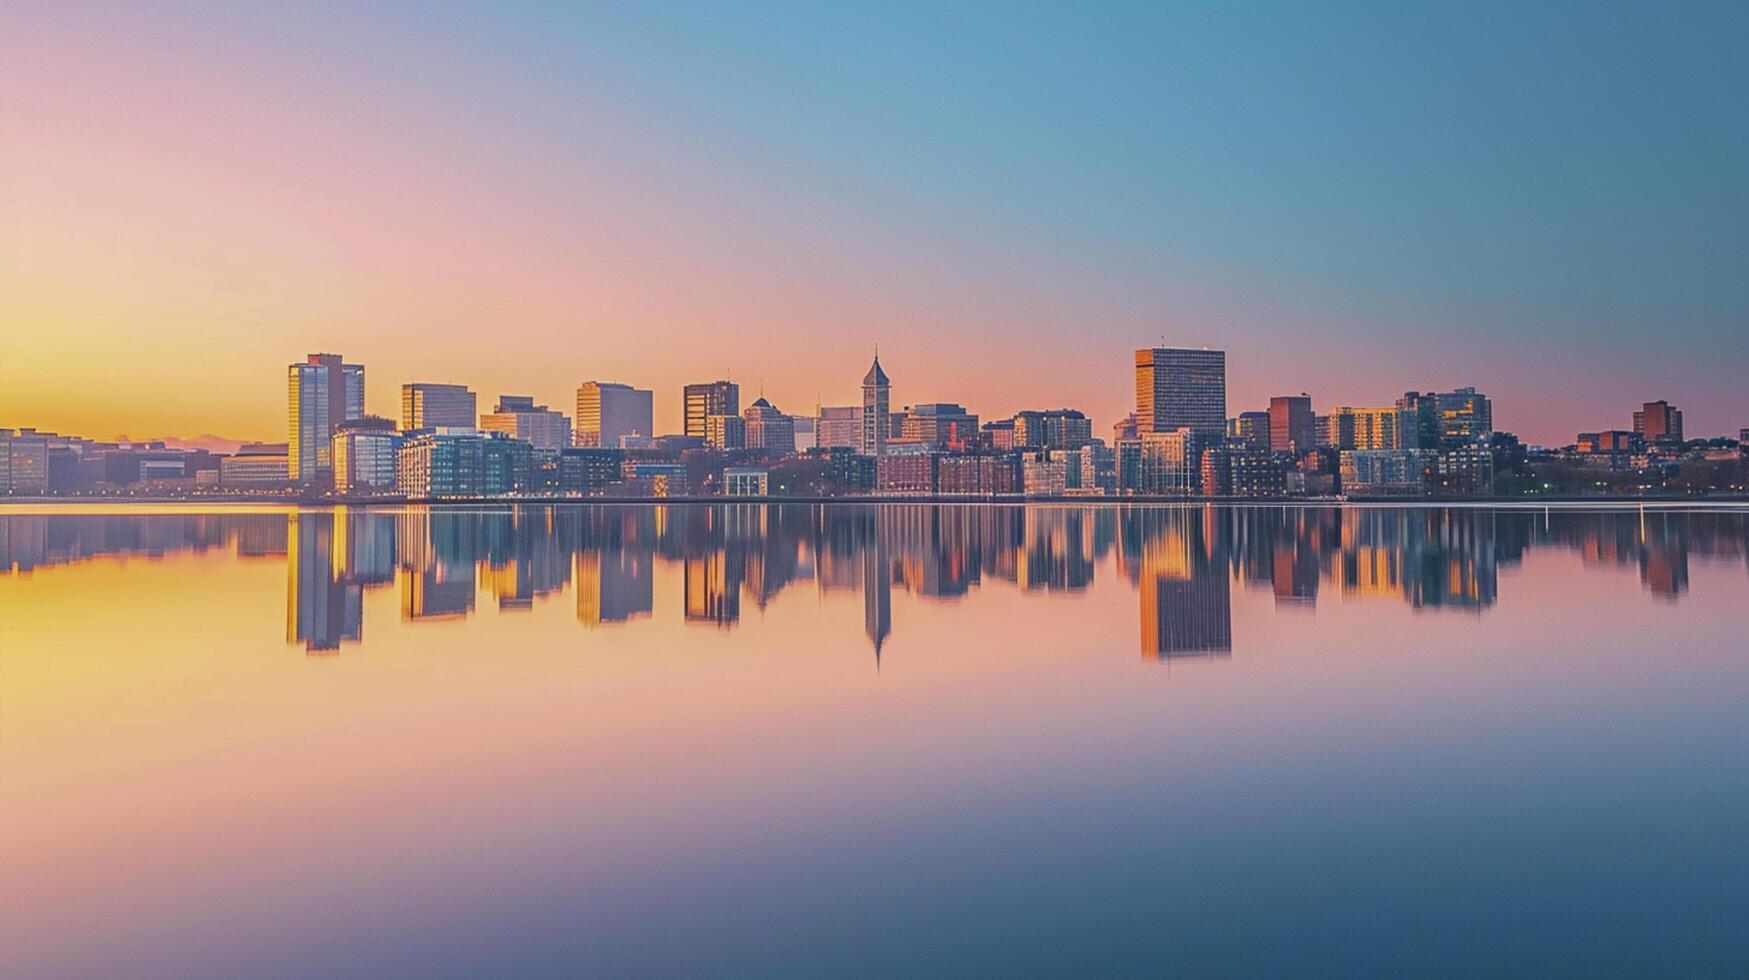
(316, 502)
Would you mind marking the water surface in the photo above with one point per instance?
(870, 740)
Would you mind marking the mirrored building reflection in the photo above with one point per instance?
(731, 561)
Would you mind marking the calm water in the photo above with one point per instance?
(738, 740)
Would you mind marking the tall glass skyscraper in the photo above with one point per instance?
(321, 393)
(1181, 388)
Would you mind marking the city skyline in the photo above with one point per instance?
(665, 197)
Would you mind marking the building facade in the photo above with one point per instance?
(366, 456)
(608, 412)
(876, 389)
(437, 406)
(838, 427)
(1181, 388)
(1062, 428)
(768, 429)
(321, 392)
(519, 417)
(1659, 421)
(701, 401)
(1292, 425)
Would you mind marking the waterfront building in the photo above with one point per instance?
(1243, 471)
(1464, 469)
(701, 401)
(587, 471)
(912, 470)
(1610, 441)
(24, 463)
(321, 392)
(875, 394)
(1659, 421)
(365, 455)
(1044, 474)
(839, 427)
(437, 406)
(999, 435)
(1387, 472)
(438, 463)
(768, 429)
(1250, 428)
(725, 432)
(519, 417)
(1181, 388)
(649, 479)
(609, 413)
(746, 481)
(1062, 428)
(1292, 425)
(1368, 429)
(256, 466)
(1170, 462)
(941, 425)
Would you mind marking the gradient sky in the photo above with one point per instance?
(1548, 201)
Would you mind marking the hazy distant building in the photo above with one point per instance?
(608, 412)
(875, 395)
(365, 452)
(839, 427)
(256, 466)
(519, 417)
(705, 400)
(321, 392)
(1125, 429)
(1181, 388)
(769, 429)
(1658, 421)
(24, 463)
(437, 406)
(1292, 425)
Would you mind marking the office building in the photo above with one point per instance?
(725, 432)
(1062, 428)
(321, 392)
(1659, 422)
(365, 455)
(705, 400)
(1387, 472)
(587, 471)
(940, 425)
(1180, 388)
(1368, 429)
(450, 463)
(1292, 425)
(609, 413)
(1610, 441)
(1464, 416)
(875, 393)
(518, 417)
(1125, 428)
(1170, 462)
(1250, 429)
(768, 429)
(256, 466)
(839, 427)
(437, 406)
(24, 463)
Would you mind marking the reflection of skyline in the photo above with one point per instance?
(734, 559)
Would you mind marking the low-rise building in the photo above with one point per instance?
(746, 481)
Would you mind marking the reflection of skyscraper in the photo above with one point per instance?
(713, 590)
(321, 611)
(877, 587)
(613, 586)
(1186, 595)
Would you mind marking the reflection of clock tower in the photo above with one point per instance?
(874, 410)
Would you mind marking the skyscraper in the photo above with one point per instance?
(839, 426)
(875, 392)
(519, 417)
(1292, 426)
(1181, 388)
(607, 412)
(322, 392)
(706, 400)
(769, 429)
(433, 406)
(1659, 421)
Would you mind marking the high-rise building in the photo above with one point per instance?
(1062, 428)
(1292, 426)
(706, 400)
(940, 425)
(839, 427)
(437, 406)
(519, 417)
(1125, 429)
(1465, 415)
(1181, 388)
(364, 452)
(725, 432)
(608, 412)
(1250, 428)
(769, 429)
(1368, 429)
(875, 393)
(322, 392)
(1659, 421)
